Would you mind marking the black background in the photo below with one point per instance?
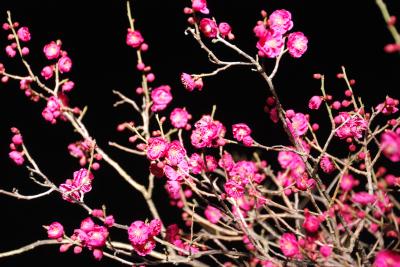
(340, 32)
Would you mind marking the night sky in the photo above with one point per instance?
(340, 32)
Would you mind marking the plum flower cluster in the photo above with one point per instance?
(16, 155)
(241, 132)
(350, 125)
(315, 207)
(74, 190)
(82, 150)
(172, 162)
(141, 235)
(390, 144)
(272, 32)
(53, 51)
(23, 35)
(208, 133)
(89, 235)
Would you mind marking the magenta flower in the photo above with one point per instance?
(52, 50)
(69, 192)
(390, 145)
(134, 38)
(280, 21)
(350, 125)
(363, 198)
(196, 163)
(207, 133)
(64, 64)
(97, 237)
(138, 233)
(179, 118)
(299, 124)
(17, 157)
(141, 236)
(23, 34)
(311, 223)
(17, 139)
(226, 161)
(47, 72)
(155, 226)
(315, 102)
(52, 110)
(209, 27)
(188, 82)
(224, 29)
(270, 44)
(55, 230)
(87, 225)
(325, 251)
(212, 214)
(146, 248)
(244, 170)
(200, 6)
(83, 180)
(326, 164)
(348, 182)
(161, 96)
(10, 51)
(233, 189)
(211, 163)
(389, 106)
(387, 258)
(156, 148)
(175, 153)
(67, 86)
(297, 44)
(259, 30)
(289, 245)
(177, 173)
(173, 188)
(240, 131)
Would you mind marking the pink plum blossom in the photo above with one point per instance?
(179, 118)
(240, 131)
(175, 153)
(297, 44)
(212, 214)
(52, 50)
(156, 148)
(134, 38)
(389, 106)
(390, 145)
(55, 230)
(350, 125)
(289, 245)
(161, 96)
(23, 34)
(299, 124)
(17, 157)
(234, 189)
(280, 21)
(270, 44)
(207, 132)
(315, 102)
(200, 6)
(363, 198)
(209, 27)
(387, 258)
(138, 233)
(311, 223)
(64, 64)
(326, 164)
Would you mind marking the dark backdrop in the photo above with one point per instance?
(350, 33)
